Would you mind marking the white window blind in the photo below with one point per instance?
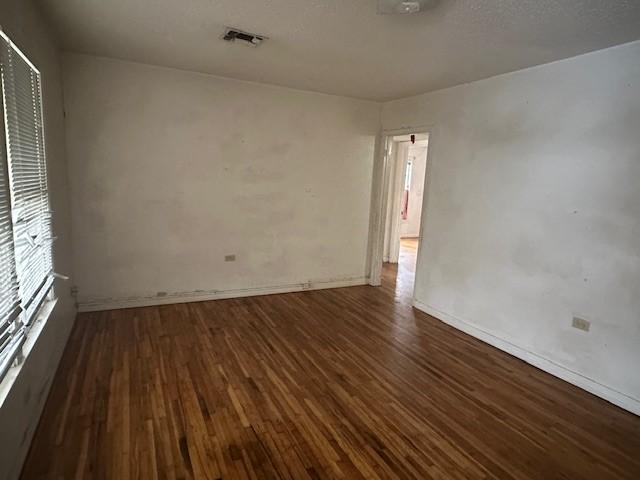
(10, 337)
(25, 219)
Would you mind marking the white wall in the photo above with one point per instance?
(418, 156)
(171, 170)
(533, 214)
(22, 405)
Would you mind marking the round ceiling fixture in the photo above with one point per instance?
(404, 7)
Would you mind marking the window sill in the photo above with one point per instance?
(32, 337)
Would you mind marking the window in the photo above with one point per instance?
(25, 219)
(407, 175)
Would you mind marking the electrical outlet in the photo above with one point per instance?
(581, 324)
(230, 258)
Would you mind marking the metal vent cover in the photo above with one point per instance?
(233, 35)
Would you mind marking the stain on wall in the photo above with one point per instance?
(171, 171)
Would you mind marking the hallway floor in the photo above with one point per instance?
(343, 383)
(406, 266)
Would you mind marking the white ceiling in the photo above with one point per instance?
(342, 46)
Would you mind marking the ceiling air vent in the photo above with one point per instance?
(246, 38)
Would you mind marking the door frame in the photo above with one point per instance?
(394, 205)
(381, 184)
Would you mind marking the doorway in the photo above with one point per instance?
(402, 180)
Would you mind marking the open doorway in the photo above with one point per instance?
(402, 187)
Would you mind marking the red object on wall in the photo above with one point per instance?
(405, 205)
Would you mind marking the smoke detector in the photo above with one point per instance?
(233, 35)
(403, 7)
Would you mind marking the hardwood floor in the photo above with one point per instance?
(345, 383)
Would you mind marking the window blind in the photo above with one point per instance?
(25, 218)
(10, 336)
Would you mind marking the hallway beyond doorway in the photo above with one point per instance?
(402, 274)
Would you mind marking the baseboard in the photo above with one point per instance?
(592, 386)
(99, 304)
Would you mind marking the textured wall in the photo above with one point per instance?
(533, 214)
(171, 171)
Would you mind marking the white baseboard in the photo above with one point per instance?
(99, 304)
(592, 386)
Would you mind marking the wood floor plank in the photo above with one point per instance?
(344, 383)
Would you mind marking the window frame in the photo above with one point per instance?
(29, 327)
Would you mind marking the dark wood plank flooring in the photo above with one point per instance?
(345, 383)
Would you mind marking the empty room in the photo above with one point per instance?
(320, 239)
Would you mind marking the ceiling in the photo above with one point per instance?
(342, 46)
